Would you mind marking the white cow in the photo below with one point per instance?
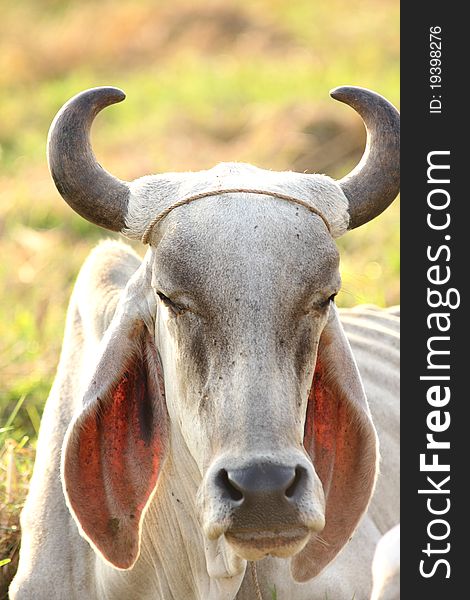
(207, 435)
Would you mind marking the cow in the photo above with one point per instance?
(207, 435)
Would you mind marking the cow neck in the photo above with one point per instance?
(173, 562)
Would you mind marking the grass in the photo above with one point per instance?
(16, 461)
(206, 82)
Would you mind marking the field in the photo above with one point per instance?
(205, 82)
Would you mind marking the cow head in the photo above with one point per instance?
(227, 342)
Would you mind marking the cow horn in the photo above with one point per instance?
(91, 191)
(375, 182)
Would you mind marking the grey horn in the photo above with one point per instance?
(375, 182)
(91, 191)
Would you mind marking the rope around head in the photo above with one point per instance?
(254, 574)
(167, 211)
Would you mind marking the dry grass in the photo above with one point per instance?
(223, 80)
(16, 462)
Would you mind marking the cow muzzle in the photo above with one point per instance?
(264, 508)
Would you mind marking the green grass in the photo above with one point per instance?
(205, 83)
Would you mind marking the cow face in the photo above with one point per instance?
(226, 343)
(242, 302)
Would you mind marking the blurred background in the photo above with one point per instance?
(209, 81)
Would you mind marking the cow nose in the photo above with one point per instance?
(263, 482)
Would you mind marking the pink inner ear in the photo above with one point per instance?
(321, 428)
(112, 461)
(340, 441)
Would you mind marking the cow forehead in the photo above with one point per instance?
(153, 194)
(246, 244)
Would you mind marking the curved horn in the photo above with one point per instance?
(91, 191)
(375, 182)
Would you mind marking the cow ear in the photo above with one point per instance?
(114, 447)
(342, 444)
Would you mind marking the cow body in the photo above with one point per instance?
(56, 562)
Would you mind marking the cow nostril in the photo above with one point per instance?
(228, 487)
(296, 483)
(262, 482)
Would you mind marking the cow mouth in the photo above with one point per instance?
(256, 544)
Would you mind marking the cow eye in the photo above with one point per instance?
(175, 308)
(329, 300)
